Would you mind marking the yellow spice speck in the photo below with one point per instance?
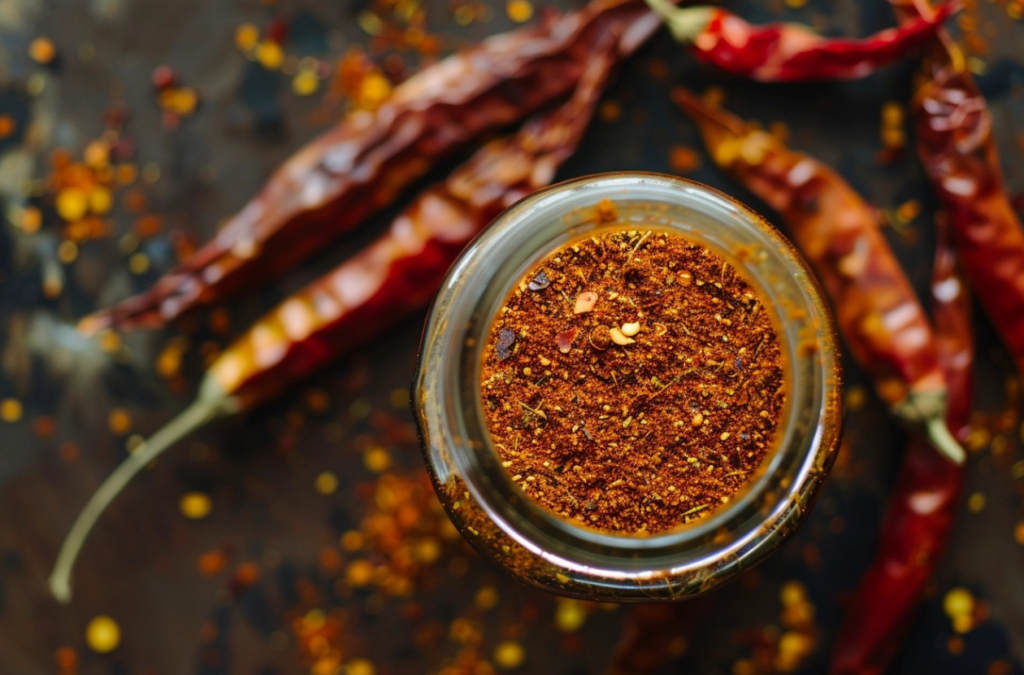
(305, 83)
(138, 263)
(72, 203)
(377, 459)
(958, 602)
(11, 410)
(195, 505)
(270, 55)
(247, 36)
(509, 654)
(326, 483)
(519, 10)
(360, 667)
(103, 635)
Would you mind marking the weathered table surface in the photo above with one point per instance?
(140, 567)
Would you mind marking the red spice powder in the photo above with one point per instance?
(632, 382)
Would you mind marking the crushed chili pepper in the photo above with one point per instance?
(661, 423)
(395, 276)
(924, 502)
(876, 309)
(360, 166)
(784, 52)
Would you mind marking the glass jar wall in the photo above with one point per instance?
(565, 557)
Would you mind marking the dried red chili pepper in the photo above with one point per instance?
(786, 52)
(652, 634)
(954, 141)
(885, 327)
(924, 501)
(360, 166)
(395, 276)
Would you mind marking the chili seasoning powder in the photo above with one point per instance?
(632, 381)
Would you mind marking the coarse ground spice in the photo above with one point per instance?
(632, 381)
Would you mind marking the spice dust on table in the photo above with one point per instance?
(633, 381)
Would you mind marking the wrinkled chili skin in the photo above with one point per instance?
(923, 504)
(953, 126)
(401, 271)
(783, 52)
(884, 324)
(955, 144)
(364, 163)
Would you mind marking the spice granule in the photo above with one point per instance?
(632, 381)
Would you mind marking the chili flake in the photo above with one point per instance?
(664, 409)
(503, 344)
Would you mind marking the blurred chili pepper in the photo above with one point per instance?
(786, 52)
(395, 276)
(652, 634)
(882, 320)
(362, 165)
(954, 141)
(923, 504)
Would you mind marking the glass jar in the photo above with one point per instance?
(554, 554)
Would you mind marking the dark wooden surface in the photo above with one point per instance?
(140, 566)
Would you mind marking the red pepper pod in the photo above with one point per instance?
(884, 324)
(352, 171)
(955, 144)
(396, 275)
(786, 52)
(923, 503)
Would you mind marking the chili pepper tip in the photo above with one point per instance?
(684, 24)
(210, 404)
(926, 410)
(943, 441)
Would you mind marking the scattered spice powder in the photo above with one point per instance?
(632, 381)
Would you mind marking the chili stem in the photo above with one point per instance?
(926, 411)
(684, 24)
(210, 405)
(943, 441)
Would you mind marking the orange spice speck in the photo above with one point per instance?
(31, 219)
(609, 111)
(247, 36)
(69, 451)
(212, 562)
(373, 90)
(44, 426)
(684, 159)
(67, 659)
(119, 421)
(126, 174)
(247, 574)
(7, 126)
(519, 10)
(359, 573)
(42, 50)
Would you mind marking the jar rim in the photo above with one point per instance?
(465, 309)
